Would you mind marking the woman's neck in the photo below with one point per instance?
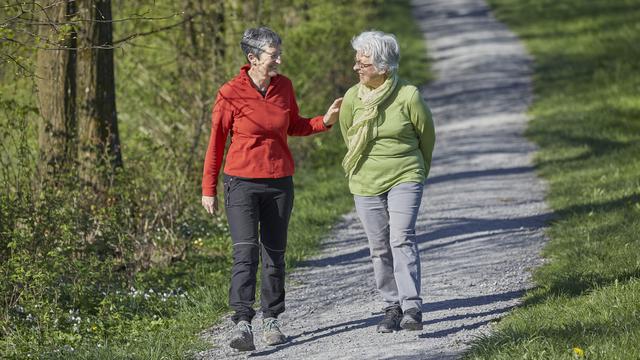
(261, 81)
(375, 83)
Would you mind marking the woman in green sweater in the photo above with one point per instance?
(389, 134)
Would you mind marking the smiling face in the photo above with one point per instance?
(267, 62)
(367, 72)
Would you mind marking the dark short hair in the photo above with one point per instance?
(255, 39)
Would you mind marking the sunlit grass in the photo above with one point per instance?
(586, 120)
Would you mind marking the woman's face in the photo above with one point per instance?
(268, 61)
(367, 72)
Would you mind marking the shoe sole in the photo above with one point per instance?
(411, 326)
(387, 330)
(275, 342)
(241, 345)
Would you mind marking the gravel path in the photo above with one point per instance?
(481, 223)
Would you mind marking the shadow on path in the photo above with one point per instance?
(454, 227)
(427, 308)
(480, 173)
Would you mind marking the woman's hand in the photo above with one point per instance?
(210, 204)
(331, 116)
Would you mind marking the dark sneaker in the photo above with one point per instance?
(271, 333)
(411, 320)
(242, 337)
(391, 320)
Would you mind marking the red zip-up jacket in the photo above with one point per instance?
(259, 127)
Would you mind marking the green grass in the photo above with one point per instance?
(586, 120)
(129, 327)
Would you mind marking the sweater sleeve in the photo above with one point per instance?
(301, 126)
(422, 120)
(221, 120)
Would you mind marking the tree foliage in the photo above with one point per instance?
(65, 252)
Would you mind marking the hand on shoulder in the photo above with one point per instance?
(331, 116)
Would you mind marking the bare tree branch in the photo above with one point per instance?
(76, 20)
(15, 61)
(3, 23)
(112, 46)
(135, 35)
(18, 19)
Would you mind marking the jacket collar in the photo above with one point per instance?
(243, 76)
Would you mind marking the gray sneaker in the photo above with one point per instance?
(411, 319)
(391, 320)
(242, 337)
(271, 333)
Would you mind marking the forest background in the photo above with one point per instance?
(105, 251)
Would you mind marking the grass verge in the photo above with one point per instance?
(586, 120)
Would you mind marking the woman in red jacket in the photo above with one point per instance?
(258, 109)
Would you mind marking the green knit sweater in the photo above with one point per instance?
(401, 145)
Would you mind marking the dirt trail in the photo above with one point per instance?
(481, 224)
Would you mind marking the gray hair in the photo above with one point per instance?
(255, 39)
(383, 49)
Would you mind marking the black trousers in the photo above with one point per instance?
(258, 212)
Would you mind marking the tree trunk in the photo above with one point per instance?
(200, 57)
(55, 82)
(99, 142)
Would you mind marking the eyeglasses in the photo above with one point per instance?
(274, 56)
(360, 65)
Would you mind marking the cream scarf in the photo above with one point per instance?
(360, 132)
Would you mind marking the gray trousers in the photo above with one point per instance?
(389, 220)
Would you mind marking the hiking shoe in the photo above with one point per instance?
(242, 337)
(412, 319)
(271, 333)
(391, 320)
